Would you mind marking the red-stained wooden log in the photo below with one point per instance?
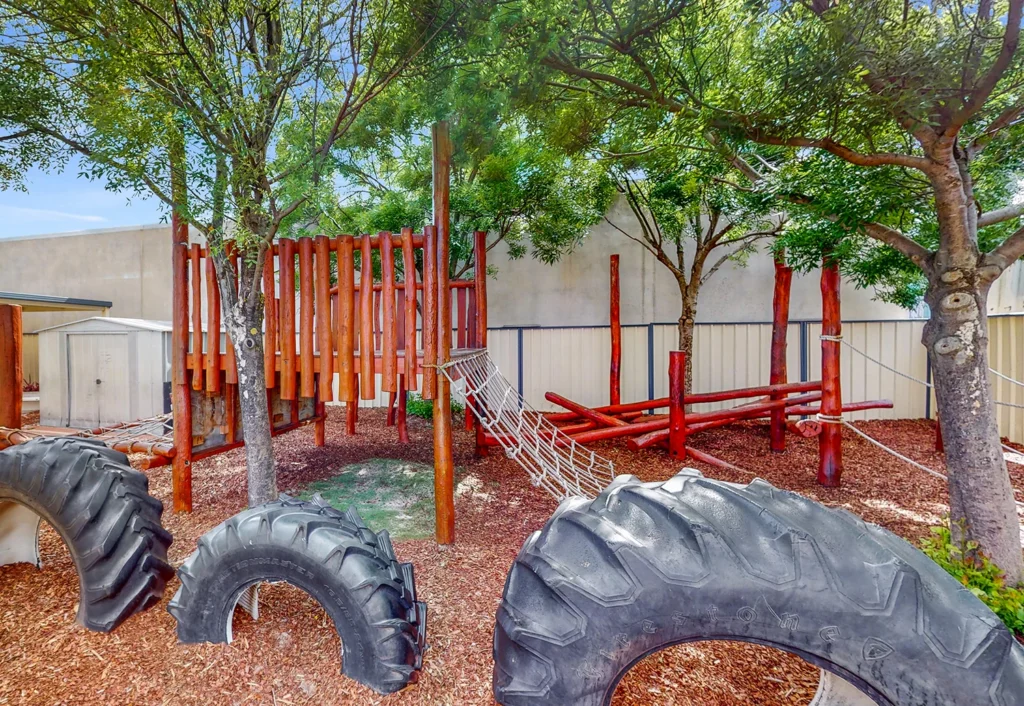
(847, 407)
(602, 434)
(807, 428)
(444, 465)
(463, 318)
(307, 383)
(11, 366)
(403, 428)
(695, 398)
(389, 420)
(480, 286)
(320, 425)
(677, 404)
(601, 419)
(707, 458)
(471, 331)
(409, 267)
(939, 445)
(346, 333)
(181, 398)
(429, 318)
(366, 347)
(212, 329)
(286, 263)
(352, 409)
(615, 374)
(830, 442)
(230, 364)
(323, 318)
(196, 278)
(270, 335)
(389, 322)
(780, 324)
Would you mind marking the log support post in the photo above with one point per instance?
(403, 397)
(677, 404)
(181, 396)
(615, 374)
(830, 442)
(11, 366)
(780, 325)
(444, 486)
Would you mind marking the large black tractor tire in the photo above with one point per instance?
(649, 565)
(351, 571)
(102, 509)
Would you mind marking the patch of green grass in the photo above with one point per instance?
(978, 574)
(394, 495)
(419, 407)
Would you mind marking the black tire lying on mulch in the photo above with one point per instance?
(649, 565)
(102, 509)
(350, 570)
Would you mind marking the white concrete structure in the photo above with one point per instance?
(103, 371)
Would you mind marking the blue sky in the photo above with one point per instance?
(63, 202)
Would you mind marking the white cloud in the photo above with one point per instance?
(38, 214)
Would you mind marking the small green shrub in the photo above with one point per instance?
(978, 574)
(419, 407)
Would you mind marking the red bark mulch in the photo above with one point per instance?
(291, 655)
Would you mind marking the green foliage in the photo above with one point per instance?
(419, 407)
(979, 575)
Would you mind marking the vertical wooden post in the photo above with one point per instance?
(830, 441)
(346, 321)
(287, 311)
(366, 347)
(307, 386)
(195, 260)
(780, 325)
(409, 266)
(615, 375)
(11, 366)
(403, 429)
(269, 320)
(323, 318)
(677, 404)
(212, 329)
(429, 317)
(181, 397)
(480, 286)
(352, 408)
(320, 426)
(444, 488)
(389, 318)
(463, 319)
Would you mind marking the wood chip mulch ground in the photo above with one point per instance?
(291, 655)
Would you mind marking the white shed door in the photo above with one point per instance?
(98, 379)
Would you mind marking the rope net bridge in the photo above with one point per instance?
(552, 459)
(151, 436)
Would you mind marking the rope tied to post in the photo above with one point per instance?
(834, 339)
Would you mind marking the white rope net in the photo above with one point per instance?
(551, 458)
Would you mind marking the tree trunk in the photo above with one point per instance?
(685, 325)
(982, 507)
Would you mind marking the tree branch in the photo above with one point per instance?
(1001, 215)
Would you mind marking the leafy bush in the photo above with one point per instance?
(979, 575)
(419, 407)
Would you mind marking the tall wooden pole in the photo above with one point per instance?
(11, 366)
(615, 376)
(181, 400)
(444, 489)
(677, 404)
(780, 325)
(830, 442)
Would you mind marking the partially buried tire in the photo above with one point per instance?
(349, 570)
(645, 566)
(102, 510)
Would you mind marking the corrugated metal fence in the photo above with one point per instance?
(574, 361)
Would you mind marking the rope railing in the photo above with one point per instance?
(925, 382)
(552, 459)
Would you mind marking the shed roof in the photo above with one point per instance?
(47, 302)
(99, 323)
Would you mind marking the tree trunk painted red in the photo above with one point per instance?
(677, 404)
(830, 442)
(11, 366)
(615, 374)
(780, 325)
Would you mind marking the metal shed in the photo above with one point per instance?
(102, 371)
